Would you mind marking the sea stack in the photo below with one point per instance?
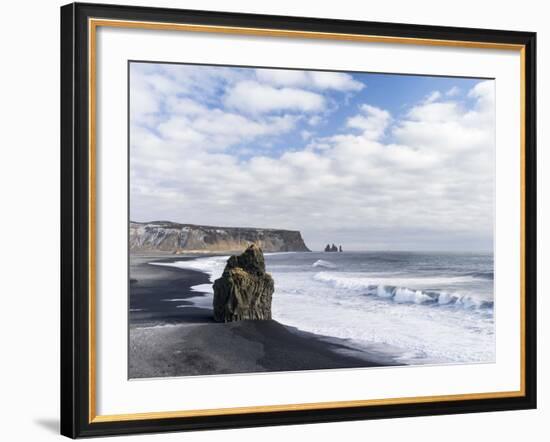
(244, 290)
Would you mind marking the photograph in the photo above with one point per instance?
(276, 220)
(283, 220)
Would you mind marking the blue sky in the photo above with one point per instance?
(372, 161)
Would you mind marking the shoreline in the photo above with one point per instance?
(170, 336)
(151, 287)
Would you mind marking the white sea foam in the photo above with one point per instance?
(212, 265)
(352, 281)
(418, 333)
(406, 295)
(446, 298)
(383, 292)
(323, 263)
(203, 301)
(203, 288)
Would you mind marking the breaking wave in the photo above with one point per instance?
(325, 264)
(403, 294)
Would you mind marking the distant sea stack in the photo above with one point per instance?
(166, 236)
(244, 290)
(333, 248)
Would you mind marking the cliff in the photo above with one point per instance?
(165, 236)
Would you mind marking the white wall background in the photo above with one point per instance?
(29, 221)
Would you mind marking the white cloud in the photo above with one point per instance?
(282, 77)
(314, 120)
(435, 112)
(144, 102)
(309, 79)
(163, 98)
(484, 93)
(372, 121)
(252, 97)
(184, 106)
(434, 96)
(336, 81)
(306, 134)
(453, 92)
(152, 85)
(215, 130)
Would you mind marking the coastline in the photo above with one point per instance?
(171, 336)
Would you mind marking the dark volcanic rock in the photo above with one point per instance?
(244, 290)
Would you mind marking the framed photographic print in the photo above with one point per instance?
(273, 220)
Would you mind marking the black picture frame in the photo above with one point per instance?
(75, 221)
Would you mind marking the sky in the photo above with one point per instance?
(369, 161)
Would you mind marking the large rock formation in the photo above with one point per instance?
(244, 290)
(165, 236)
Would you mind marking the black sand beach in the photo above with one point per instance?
(151, 285)
(185, 341)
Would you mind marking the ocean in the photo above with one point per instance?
(419, 307)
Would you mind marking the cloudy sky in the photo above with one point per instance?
(369, 161)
